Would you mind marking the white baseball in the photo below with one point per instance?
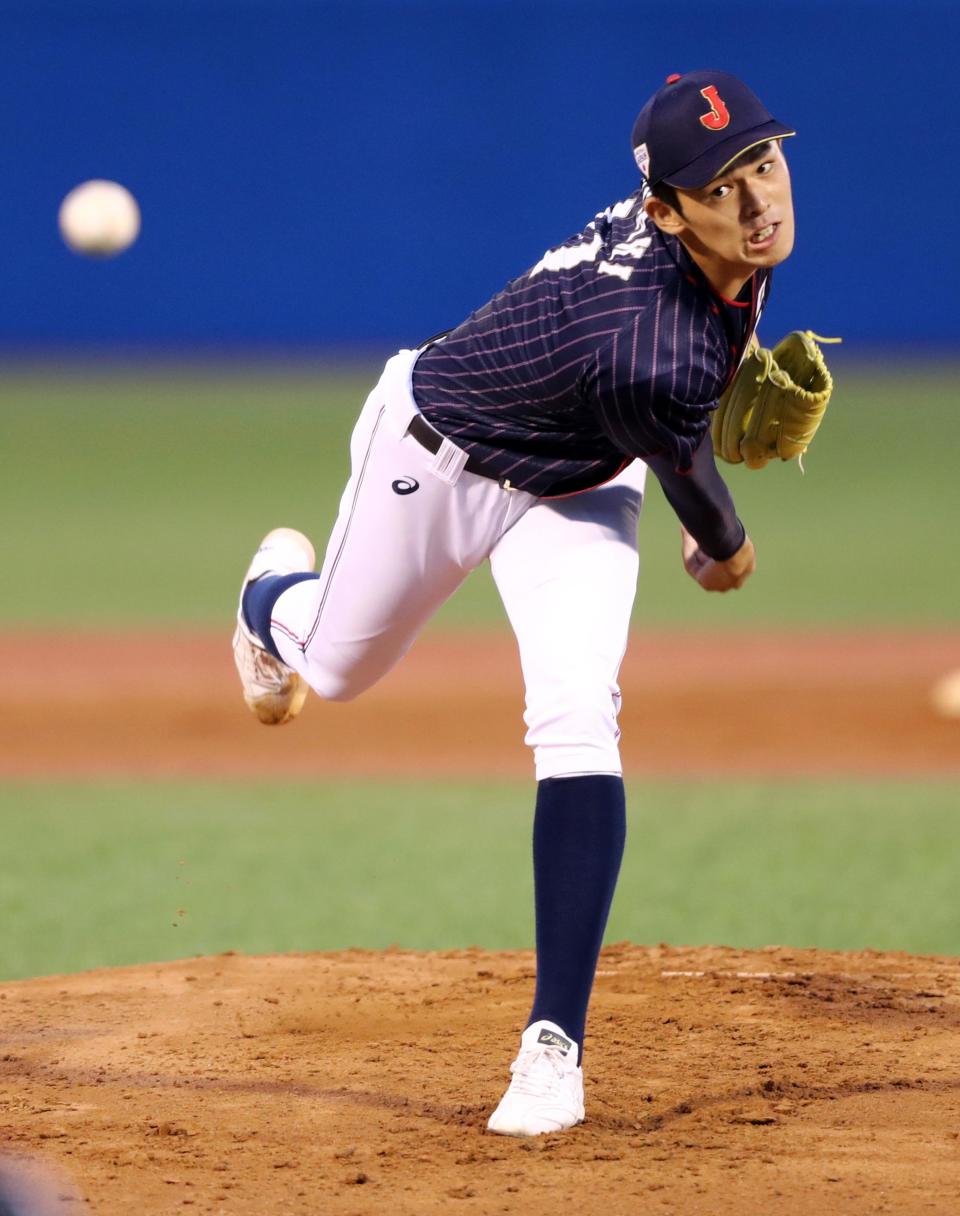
(99, 218)
(945, 695)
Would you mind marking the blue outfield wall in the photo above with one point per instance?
(367, 172)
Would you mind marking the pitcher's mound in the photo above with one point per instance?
(718, 1081)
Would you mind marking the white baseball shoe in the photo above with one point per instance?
(272, 690)
(546, 1092)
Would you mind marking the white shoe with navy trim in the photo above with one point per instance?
(546, 1092)
(272, 690)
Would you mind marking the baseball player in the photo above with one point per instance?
(523, 437)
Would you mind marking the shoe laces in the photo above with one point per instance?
(258, 665)
(539, 1068)
(268, 670)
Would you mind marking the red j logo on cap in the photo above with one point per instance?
(718, 116)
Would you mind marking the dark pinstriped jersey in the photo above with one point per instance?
(613, 346)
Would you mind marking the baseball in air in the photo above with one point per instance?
(99, 218)
(945, 695)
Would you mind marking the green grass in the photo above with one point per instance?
(131, 500)
(107, 874)
(865, 535)
(135, 498)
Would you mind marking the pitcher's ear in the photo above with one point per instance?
(667, 218)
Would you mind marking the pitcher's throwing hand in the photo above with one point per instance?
(714, 575)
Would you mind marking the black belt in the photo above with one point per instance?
(430, 439)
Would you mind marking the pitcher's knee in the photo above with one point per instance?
(574, 730)
(334, 685)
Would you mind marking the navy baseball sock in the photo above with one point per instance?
(579, 831)
(259, 598)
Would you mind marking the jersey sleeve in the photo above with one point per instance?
(653, 387)
(702, 502)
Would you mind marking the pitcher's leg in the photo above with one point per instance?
(567, 575)
(404, 540)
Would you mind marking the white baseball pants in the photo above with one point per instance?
(412, 525)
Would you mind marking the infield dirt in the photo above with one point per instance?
(751, 704)
(719, 1082)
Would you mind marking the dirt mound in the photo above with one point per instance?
(718, 1081)
(168, 705)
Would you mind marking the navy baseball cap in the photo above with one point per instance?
(696, 125)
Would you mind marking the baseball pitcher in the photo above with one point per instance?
(523, 437)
